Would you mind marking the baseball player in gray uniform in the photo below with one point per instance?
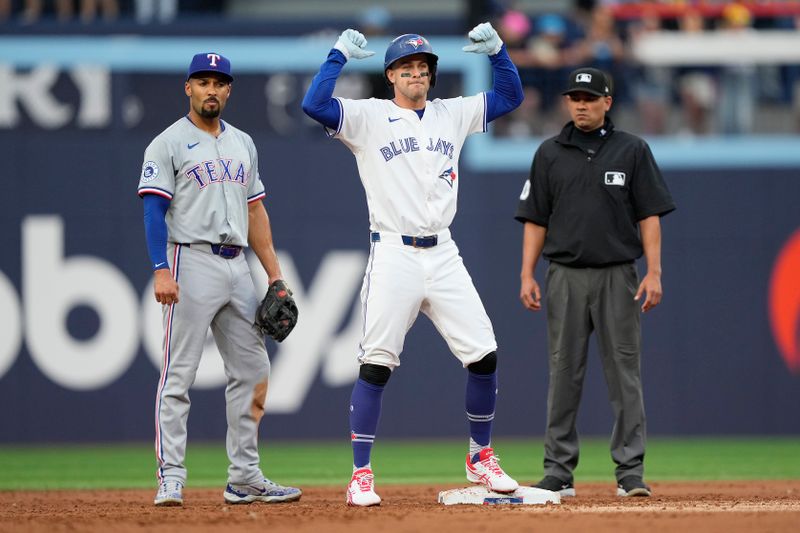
(407, 150)
(202, 206)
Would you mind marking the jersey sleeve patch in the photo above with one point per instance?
(149, 171)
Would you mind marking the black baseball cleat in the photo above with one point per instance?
(554, 484)
(632, 486)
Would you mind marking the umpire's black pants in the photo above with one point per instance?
(580, 301)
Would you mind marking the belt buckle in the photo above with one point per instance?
(228, 252)
(428, 241)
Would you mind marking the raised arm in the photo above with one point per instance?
(506, 93)
(318, 102)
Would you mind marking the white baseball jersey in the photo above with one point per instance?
(409, 169)
(408, 165)
(209, 181)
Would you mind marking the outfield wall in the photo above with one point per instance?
(80, 332)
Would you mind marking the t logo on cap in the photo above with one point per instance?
(210, 62)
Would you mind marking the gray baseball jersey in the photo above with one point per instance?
(208, 180)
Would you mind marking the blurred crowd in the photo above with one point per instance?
(685, 100)
(91, 11)
(548, 39)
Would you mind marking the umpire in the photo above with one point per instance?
(592, 206)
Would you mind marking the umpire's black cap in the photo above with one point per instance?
(589, 80)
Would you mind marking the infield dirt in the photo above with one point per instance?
(751, 506)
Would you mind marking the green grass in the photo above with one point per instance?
(329, 463)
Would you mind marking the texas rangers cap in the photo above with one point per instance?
(210, 62)
(588, 80)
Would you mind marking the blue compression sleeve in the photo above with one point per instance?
(318, 102)
(506, 94)
(155, 229)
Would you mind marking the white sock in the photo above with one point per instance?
(474, 447)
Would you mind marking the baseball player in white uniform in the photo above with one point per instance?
(202, 206)
(407, 150)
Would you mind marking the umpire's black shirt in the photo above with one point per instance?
(590, 190)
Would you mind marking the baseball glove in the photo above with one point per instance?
(276, 316)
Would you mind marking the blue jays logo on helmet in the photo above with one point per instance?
(410, 44)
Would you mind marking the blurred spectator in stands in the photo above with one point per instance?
(162, 11)
(34, 10)
(582, 11)
(514, 27)
(547, 43)
(602, 48)
(5, 10)
(790, 74)
(541, 52)
(64, 10)
(554, 57)
(737, 82)
(651, 83)
(477, 11)
(90, 9)
(373, 22)
(697, 90)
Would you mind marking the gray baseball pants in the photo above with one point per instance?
(219, 293)
(580, 301)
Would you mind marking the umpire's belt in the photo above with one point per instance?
(427, 241)
(228, 251)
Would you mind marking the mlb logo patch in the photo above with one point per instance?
(615, 178)
(583, 78)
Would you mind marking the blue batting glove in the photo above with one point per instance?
(352, 43)
(484, 40)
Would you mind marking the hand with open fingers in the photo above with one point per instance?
(484, 40)
(651, 287)
(530, 294)
(352, 43)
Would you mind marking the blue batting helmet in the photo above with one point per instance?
(410, 44)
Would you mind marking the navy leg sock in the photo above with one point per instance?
(481, 397)
(365, 410)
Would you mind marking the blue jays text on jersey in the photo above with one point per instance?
(410, 144)
(216, 171)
